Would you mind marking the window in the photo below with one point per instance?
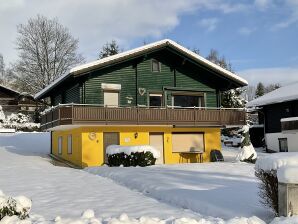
(111, 98)
(60, 145)
(69, 144)
(155, 100)
(283, 144)
(187, 142)
(188, 100)
(155, 66)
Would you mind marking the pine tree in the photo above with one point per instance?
(260, 91)
(109, 49)
(247, 153)
(231, 98)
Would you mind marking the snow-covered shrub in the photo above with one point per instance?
(268, 189)
(18, 206)
(143, 155)
(2, 115)
(20, 122)
(134, 159)
(18, 118)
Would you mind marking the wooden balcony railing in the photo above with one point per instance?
(79, 114)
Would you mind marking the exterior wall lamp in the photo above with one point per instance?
(136, 135)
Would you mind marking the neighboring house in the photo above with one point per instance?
(161, 94)
(279, 109)
(13, 101)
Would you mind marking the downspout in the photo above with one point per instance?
(136, 90)
(51, 142)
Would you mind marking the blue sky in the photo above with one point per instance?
(258, 37)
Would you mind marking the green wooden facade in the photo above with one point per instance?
(176, 75)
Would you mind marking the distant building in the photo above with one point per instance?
(280, 118)
(13, 101)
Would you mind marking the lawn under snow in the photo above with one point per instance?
(66, 192)
(165, 194)
(222, 190)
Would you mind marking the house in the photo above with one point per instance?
(160, 94)
(13, 101)
(279, 112)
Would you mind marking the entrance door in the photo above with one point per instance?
(156, 140)
(109, 138)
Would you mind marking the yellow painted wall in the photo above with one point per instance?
(76, 156)
(90, 151)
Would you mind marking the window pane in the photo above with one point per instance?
(283, 145)
(187, 142)
(155, 101)
(69, 144)
(155, 66)
(111, 99)
(60, 145)
(188, 101)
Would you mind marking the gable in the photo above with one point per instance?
(132, 55)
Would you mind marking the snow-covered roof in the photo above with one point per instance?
(53, 84)
(282, 94)
(139, 51)
(10, 89)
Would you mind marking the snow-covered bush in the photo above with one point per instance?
(247, 153)
(266, 170)
(18, 206)
(19, 122)
(2, 115)
(131, 155)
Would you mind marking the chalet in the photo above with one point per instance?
(13, 101)
(160, 94)
(279, 112)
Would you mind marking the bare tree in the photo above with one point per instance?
(250, 93)
(46, 50)
(2, 69)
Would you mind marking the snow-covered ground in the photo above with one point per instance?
(209, 193)
(223, 190)
(68, 192)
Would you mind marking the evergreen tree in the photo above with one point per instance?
(260, 91)
(247, 153)
(231, 98)
(109, 49)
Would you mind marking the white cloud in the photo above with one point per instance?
(209, 23)
(246, 31)
(262, 4)
(283, 75)
(94, 22)
(293, 17)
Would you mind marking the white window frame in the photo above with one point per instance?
(69, 144)
(60, 141)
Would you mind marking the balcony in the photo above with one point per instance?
(84, 114)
